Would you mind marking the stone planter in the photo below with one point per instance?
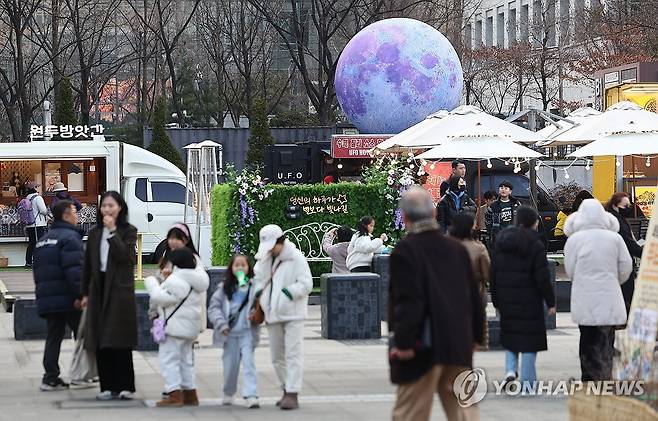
(350, 306)
(380, 266)
(563, 296)
(216, 275)
(27, 323)
(144, 340)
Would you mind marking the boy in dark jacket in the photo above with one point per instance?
(502, 212)
(57, 270)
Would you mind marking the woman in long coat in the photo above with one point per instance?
(520, 285)
(108, 291)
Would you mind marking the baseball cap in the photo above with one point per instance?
(268, 236)
(507, 184)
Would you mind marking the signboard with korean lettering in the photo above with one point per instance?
(638, 340)
(327, 204)
(355, 146)
(437, 173)
(68, 132)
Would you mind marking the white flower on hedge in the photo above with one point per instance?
(260, 197)
(390, 181)
(389, 197)
(243, 192)
(391, 172)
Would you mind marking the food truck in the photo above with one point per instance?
(153, 188)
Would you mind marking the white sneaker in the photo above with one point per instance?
(252, 403)
(124, 395)
(105, 396)
(510, 376)
(227, 400)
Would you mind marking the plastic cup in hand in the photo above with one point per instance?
(242, 278)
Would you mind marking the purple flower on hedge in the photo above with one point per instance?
(251, 215)
(243, 210)
(398, 223)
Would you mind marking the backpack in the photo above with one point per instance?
(25, 211)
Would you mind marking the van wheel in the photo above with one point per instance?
(159, 252)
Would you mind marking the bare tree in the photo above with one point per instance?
(169, 20)
(100, 49)
(21, 89)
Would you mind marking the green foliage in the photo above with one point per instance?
(65, 105)
(362, 199)
(199, 96)
(161, 145)
(223, 210)
(294, 119)
(261, 137)
(132, 134)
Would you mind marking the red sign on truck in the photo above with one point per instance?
(355, 146)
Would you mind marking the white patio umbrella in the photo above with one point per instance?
(622, 118)
(485, 147)
(620, 145)
(395, 143)
(575, 118)
(465, 121)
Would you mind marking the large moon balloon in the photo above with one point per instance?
(396, 72)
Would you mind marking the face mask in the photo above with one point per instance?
(242, 278)
(626, 212)
(462, 188)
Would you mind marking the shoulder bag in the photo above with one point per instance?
(159, 325)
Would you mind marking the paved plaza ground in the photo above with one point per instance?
(343, 380)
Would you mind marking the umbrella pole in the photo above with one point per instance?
(633, 186)
(479, 190)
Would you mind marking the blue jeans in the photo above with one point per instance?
(528, 372)
(239, 348)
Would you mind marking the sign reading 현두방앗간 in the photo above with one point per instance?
(65, 131)
(355, 146)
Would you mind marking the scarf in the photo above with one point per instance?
(423, 225)
(457, 197)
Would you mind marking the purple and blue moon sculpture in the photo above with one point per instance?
(396, 72)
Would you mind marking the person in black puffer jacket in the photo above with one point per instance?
(57, 272)
(454, 202)
(520, 285)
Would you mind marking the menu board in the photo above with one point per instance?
(638, 340)
(644, 198)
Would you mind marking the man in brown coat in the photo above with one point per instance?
(436, 316)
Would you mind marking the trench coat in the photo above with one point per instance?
(112, 322)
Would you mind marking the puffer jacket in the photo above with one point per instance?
(219, 312)
(361, 250)
(58, 268)
(288, 270)
(165, 297)
(597, 262)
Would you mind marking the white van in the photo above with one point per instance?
(153, 188)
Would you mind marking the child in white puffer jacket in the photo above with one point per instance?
(178, 301)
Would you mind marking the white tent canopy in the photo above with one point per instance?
(464, 121)
(620, 145)
(575, 118)
(622, 118)
(485, 147)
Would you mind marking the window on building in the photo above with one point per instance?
(524, 29)
(511, 26)
(565, 19)
(500, 27)
(538, 17)
(468, 36)
(551, 24)
(164, 191)
(489, 31)
(478, 32)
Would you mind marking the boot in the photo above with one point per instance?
(190, 397)
(173, 399)
(289, 401)
(278, 403)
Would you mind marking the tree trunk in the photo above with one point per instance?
(57, 76)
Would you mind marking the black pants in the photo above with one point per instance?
(360, 269)
(596, 352)
(57, 323)
(115, 369)
(33, 235)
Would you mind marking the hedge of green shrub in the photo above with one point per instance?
(362, 199)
